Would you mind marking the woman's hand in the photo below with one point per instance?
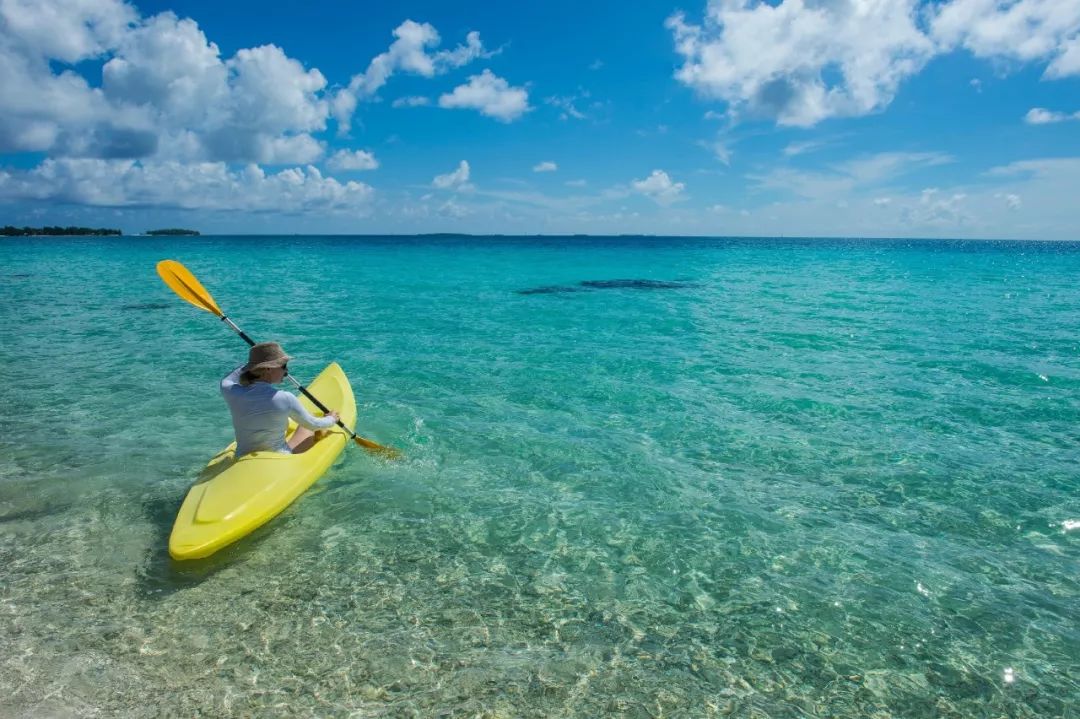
(334, 414)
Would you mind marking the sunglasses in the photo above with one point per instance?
(285, 368)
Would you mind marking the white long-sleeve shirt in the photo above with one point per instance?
(260, 414)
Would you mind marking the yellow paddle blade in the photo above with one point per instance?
(375, 448)
(183, 283)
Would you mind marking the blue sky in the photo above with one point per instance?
(875, 118)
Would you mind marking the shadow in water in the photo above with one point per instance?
(161, 576)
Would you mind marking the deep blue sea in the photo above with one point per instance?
(642, 477)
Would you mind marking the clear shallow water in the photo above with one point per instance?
(819, 479)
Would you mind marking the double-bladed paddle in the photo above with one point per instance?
(182, 282)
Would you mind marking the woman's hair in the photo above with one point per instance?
(247, 377)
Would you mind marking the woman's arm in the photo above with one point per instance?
(302, 417)
(232, 379)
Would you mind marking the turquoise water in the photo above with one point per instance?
(765, 478)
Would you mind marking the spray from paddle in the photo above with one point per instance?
(183, 283)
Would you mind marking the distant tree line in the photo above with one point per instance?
(9, 231)
(173, 231)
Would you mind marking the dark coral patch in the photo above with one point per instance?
(548, 290)
(585, 285)
(635, 285)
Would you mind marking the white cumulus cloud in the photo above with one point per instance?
(802, 148)
(408, 53)
(491, 95)
(859, 174)
(1012, 200)
(167, 63)
(281, 149)
(936, 209)
(456, 180)
(134, 110)
(274, 93)
(353, 160)
(568, 105)
(660, 187)
(411, 101)
(203, 186)
(803, 61)
(1041, 116)
(1024, 30)
(454, 210)
(720, 150)
(165, 91)
(65, 30)
(546, 166)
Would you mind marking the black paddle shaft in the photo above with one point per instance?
(237, 330)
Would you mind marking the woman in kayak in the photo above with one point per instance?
(261, 413)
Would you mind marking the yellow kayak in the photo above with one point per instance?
(234, 497)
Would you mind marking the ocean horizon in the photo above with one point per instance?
(642, 476)
(578, 235)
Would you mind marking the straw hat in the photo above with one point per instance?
(266, 354)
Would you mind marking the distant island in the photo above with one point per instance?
(173, 231)
(9, 231)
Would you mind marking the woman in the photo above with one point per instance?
(261, 413)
